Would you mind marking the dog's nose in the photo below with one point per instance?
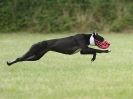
(108, 43)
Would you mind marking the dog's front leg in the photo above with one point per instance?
(89, 52)
(93, 52)
(98, 51)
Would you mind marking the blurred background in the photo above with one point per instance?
(50, 16)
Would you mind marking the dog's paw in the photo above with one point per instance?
(8, 63)
(94, 57)
(92, 60)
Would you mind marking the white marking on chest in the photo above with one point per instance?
(78, 50)
(92, 42)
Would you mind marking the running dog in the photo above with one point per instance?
(68, 45)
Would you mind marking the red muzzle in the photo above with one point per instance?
(102, 45)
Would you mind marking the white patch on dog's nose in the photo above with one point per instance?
(92, 42)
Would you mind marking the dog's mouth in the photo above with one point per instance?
(103, 45)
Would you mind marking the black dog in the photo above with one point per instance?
(68, 45)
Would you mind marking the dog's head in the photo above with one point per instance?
(99, 41)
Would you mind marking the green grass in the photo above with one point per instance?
(58, 76)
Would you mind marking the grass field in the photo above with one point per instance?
(58, 76)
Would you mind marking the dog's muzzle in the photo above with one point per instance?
(103, 45)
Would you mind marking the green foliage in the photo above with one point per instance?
(65, 15)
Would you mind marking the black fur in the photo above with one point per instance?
(68, 45)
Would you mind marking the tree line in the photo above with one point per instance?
(66, 15)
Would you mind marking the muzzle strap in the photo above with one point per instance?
(103, 44)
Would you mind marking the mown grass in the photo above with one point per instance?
(58, 76)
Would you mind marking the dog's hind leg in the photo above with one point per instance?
(34, 53)
(33, 57)
(12, 62)
(36, 56)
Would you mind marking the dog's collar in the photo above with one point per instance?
(92, 41)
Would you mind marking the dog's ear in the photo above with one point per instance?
(95, 33)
